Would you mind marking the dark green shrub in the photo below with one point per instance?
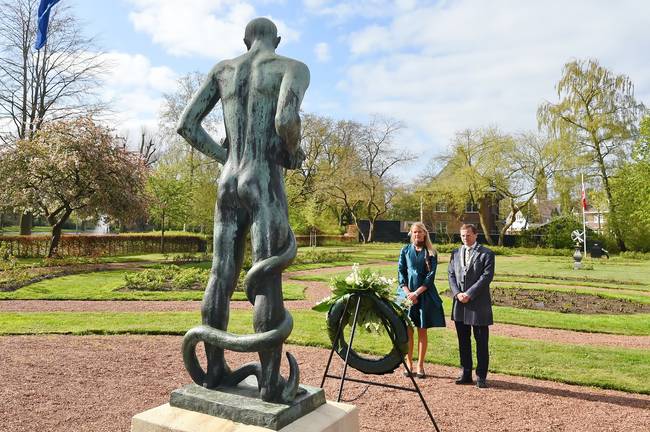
(313, 255)
(167, 278)
(557, 233)
(635, 255)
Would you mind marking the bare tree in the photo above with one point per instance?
(46, 85)
(363, 184)
(147, 144)
(527, 167)
(378, 156)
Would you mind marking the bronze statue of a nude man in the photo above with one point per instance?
(261, 93)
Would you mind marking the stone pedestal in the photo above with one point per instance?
(330, 417)
(242, 404)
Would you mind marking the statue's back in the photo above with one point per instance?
(249, 86)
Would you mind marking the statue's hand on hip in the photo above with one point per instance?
(293, 161)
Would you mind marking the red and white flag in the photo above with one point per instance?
(584, 197)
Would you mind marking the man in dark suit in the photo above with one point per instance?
(471, 269)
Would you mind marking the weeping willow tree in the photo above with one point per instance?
(597, 112)
(474, 171)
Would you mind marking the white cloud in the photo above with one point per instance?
(466, 64)
(208, 28)
(322, 51)
(134, 88)
(346, 10)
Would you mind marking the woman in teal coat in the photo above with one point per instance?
(416, 272)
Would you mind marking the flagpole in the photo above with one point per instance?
(584, 219)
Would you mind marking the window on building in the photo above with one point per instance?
(471, 207)
(441, 206)
(441, 227)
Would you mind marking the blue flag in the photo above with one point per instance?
(43, 20)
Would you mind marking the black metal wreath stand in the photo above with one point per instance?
(343, 378)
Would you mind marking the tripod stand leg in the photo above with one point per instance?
(338, 334)
(417, 388)
(347, 353)
(415, 384)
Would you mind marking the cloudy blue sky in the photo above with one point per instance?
(438, 66)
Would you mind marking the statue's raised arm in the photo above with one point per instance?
(189, 125)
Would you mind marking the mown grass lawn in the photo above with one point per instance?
(623, 274)
(105, 286)
(615, 368)
(636, 324)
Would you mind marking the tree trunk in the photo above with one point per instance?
(484, 226)
(26, 220)
(57, 227)
(514, 209)
(162, 236)
(371, 230)
(505, 228)
(616, 230)
(356, 223)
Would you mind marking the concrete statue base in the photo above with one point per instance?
(330, 417)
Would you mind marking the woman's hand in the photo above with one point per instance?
(413, 297)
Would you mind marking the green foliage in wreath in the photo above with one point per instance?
(365, 281)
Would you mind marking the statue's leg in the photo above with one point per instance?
(269, 235)
(229, 244)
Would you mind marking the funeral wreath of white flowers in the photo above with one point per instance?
(367, 282)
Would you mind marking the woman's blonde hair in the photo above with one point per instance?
(427, 239)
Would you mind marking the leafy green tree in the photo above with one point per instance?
(598, 112)
(630, 192)
(73, 166)
(642, 149)
(169, 200)
(406, 204)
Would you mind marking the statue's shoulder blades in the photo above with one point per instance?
(222, 66)
(299, 67)
(294, 65)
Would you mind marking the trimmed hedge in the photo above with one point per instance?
(36, 246)
(326, 240)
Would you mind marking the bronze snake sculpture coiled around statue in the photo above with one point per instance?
(283, 390)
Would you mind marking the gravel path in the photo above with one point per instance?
(97, 383)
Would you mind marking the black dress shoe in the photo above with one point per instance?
(481, 383)
(464, 379)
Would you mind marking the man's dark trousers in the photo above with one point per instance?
(481, 335)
